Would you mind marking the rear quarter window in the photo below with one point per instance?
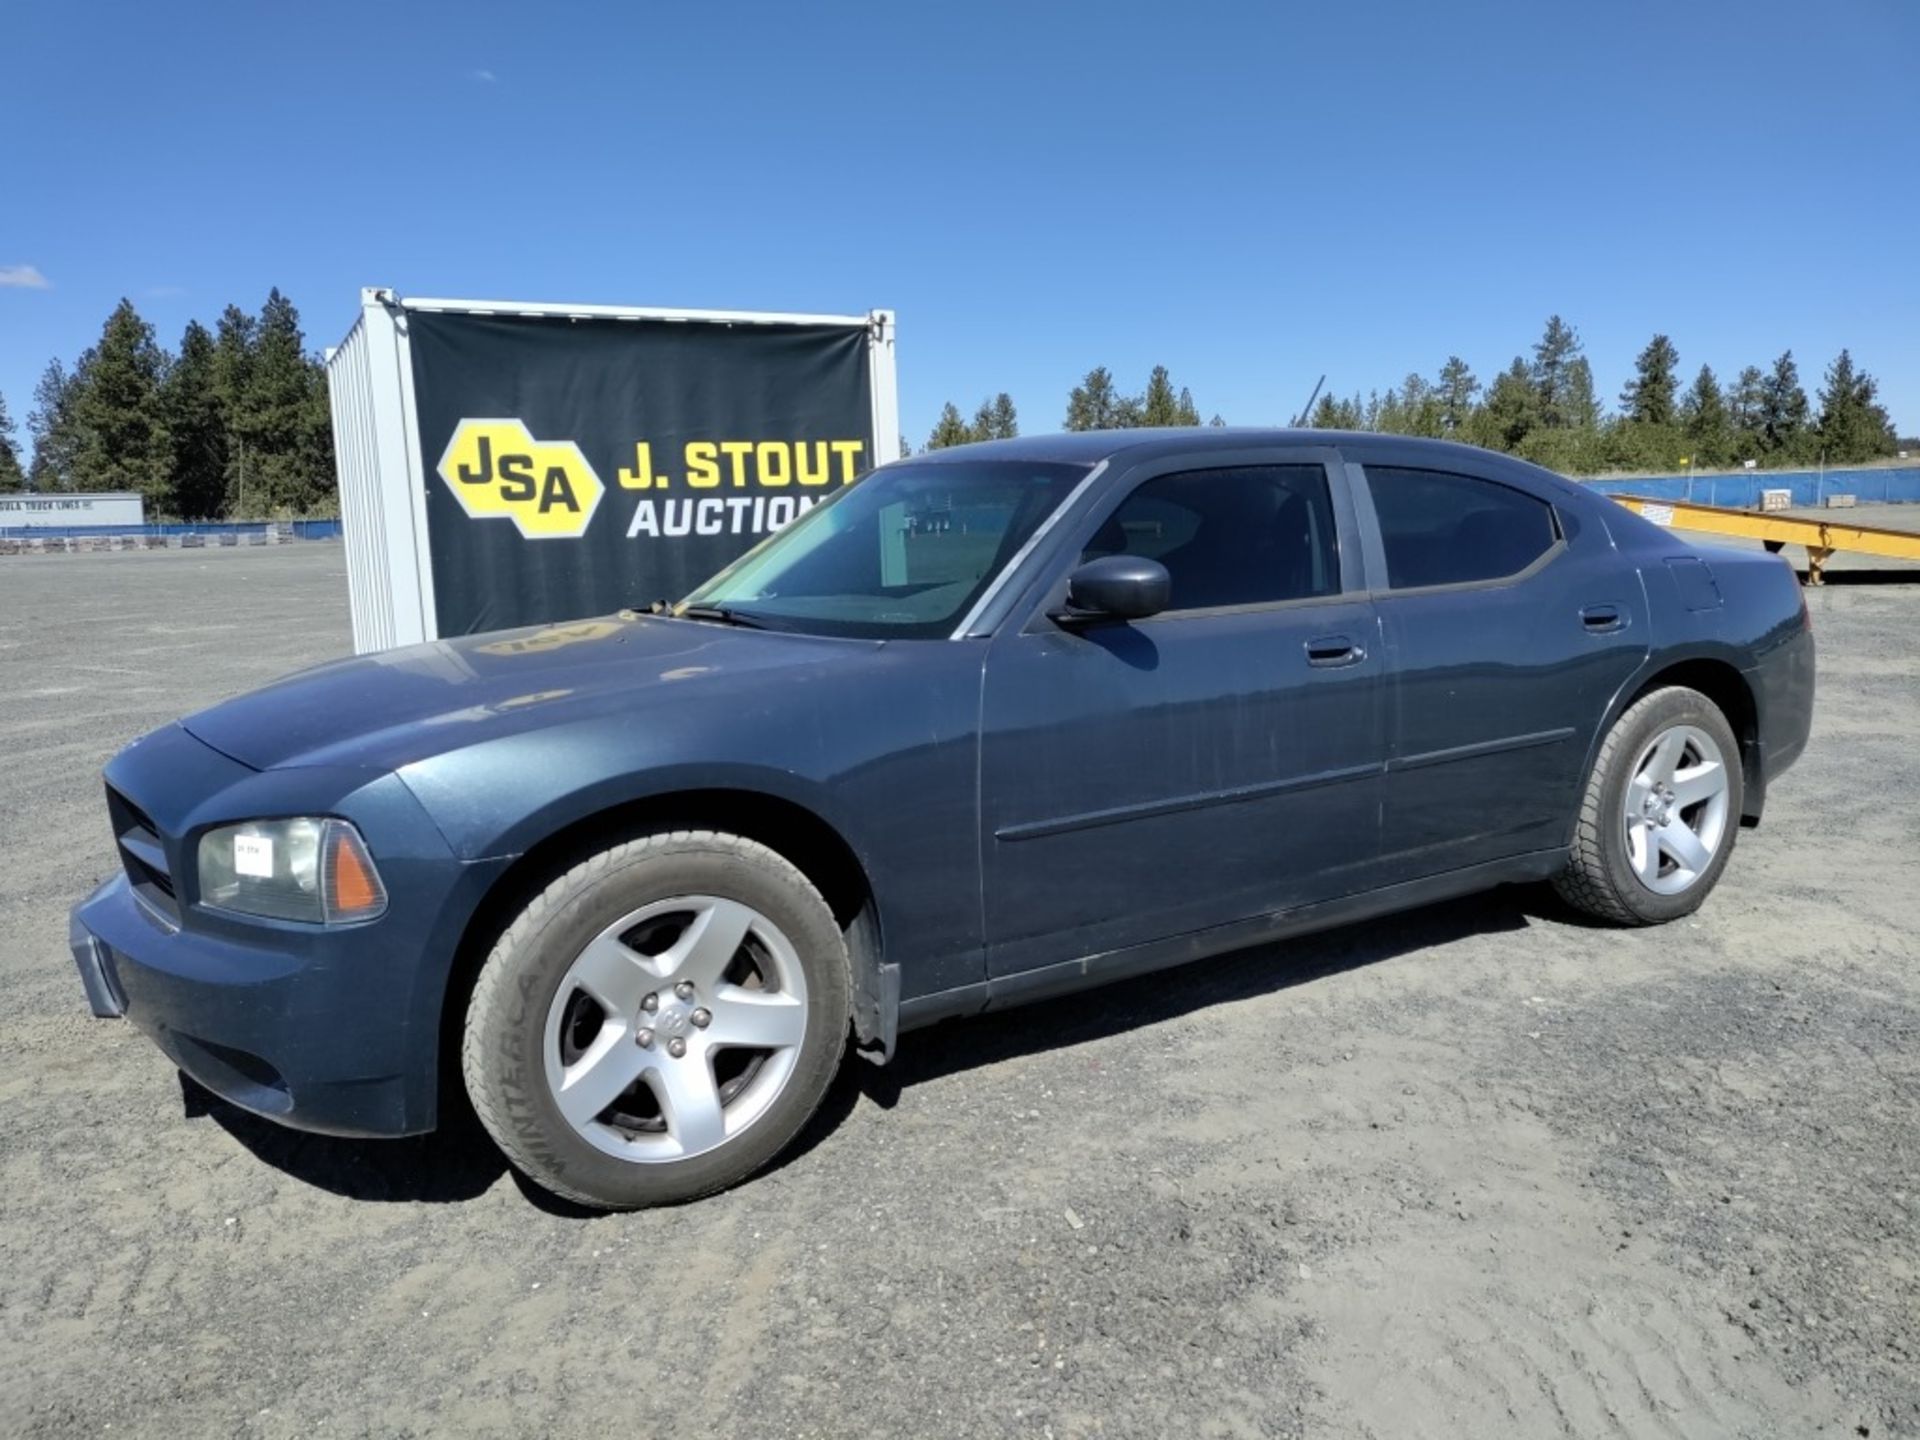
(1439, 528)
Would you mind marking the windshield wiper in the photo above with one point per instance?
(721, 613)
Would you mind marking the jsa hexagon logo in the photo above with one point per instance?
(496, 468)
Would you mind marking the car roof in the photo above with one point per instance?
(1088, 447)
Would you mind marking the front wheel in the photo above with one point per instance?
(1659, 814)
(660, 1021)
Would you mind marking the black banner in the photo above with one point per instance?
(575, 467)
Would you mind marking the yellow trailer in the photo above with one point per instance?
(1821, 537)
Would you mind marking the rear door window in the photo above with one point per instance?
(1439, 528)
(1250, 535)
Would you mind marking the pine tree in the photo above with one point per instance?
(1649, 397)
(982, 426)
(1161, 406)
(1385, 413)
(1582, 404)
(1853, 425)
(1326, 415)
(316, 442)
(233, 357)
(1746, 413)
(197, 427)
(1455, 392)
(1783, 409)
(288, 455)
(12, 477)
(51, 424)
(950, 430)
(1704, 417)
(1513, 407)
(1411, 409)
(996, 419)
(1558, 349)
(1216, 422)
(1094, 405)
(234, 346)
(122, 435)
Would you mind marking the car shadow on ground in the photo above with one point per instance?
(1145, 1000)
(458, 1161)
(455, 1162)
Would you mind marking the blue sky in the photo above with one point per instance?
(1249, 194)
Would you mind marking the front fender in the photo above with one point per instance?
(887, 760)
(492, 802)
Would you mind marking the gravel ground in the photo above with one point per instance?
(1477, 1170)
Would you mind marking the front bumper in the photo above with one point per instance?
(333, 1029)
(96, 963)
(275, 1031)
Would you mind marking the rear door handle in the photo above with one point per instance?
(1331, 651)
(1603, 619)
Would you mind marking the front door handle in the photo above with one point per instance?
(1603, 619)
(1331, 651)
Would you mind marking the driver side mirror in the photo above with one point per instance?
(1115, 587)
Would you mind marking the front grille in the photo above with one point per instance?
(143, 854)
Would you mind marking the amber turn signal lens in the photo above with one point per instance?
(354, 891)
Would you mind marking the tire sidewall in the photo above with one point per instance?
(1662, 711)
(512, 1028)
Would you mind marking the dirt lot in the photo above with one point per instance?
(1478, 1170)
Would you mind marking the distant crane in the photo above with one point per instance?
(1307, 410)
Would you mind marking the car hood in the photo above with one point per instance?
(389, 709)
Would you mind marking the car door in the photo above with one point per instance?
(1211, 763)
(1508, 626)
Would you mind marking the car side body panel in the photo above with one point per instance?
(1498, 688)
(1193, 769)
(1759, 627)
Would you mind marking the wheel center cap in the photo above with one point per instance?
(673, 1020)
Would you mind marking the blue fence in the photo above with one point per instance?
(212, 530)
(1741, 491)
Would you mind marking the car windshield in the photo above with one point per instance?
(903, 553)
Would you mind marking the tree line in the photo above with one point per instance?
(1096, 403)
(1546, 409)
(234, 424)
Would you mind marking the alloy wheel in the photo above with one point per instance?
(675, 1028)
(1674, 815)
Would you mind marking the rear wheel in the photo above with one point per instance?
(1659, 814)
(660, 1021)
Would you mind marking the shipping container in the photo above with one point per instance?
(506, 464)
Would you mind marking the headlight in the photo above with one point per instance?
(317, 870)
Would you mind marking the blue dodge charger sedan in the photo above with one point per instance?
(993, 724)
